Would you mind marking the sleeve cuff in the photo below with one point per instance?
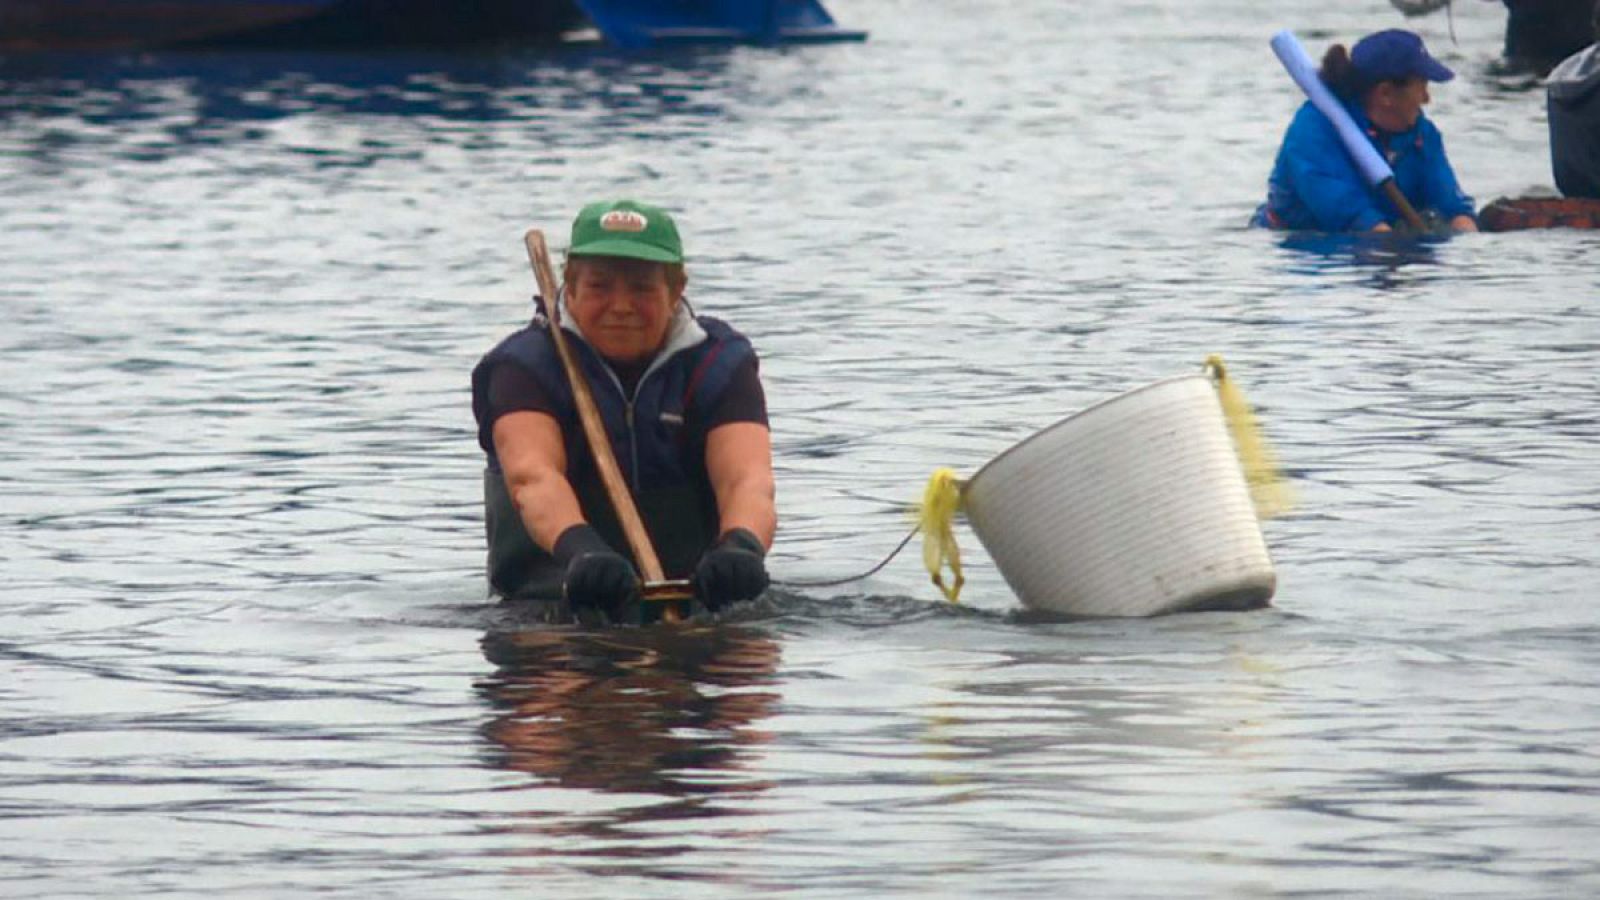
(744, 539)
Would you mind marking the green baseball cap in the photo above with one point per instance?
(626, 228)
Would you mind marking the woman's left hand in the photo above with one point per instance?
(732, 571)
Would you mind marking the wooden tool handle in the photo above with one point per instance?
(1409, 213)
(594, 429)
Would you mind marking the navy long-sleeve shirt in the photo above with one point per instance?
(1315, 184)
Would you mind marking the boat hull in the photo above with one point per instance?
(79, 25)
(118, 24)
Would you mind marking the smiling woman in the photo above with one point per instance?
(682, 403)
(623, 306)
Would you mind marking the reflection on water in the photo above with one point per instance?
(661, 710)
(159, 106)
(486, 84)
(1380, 257)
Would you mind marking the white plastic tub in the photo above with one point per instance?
(1136, 506)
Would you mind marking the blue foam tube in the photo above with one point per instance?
(1304, 72)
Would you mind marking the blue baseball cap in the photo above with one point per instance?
(1395, 55)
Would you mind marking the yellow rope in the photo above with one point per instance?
(941, 499)
(1268, 489)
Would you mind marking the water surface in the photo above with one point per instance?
(246, 646)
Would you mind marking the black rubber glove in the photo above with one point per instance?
(600, 583)
(733, 570)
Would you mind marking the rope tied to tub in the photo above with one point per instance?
(936, 514)
(943, 498)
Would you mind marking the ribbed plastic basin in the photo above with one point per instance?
(1136, 506)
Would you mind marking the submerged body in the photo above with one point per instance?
(659, 422)
(1316, 185)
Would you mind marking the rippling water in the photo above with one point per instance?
(246, 647)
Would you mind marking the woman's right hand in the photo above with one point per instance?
(599, 583)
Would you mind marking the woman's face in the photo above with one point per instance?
(1395, 105)
(622, 306)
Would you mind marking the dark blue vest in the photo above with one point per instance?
(658, 437)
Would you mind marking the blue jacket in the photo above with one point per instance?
(658, 437)
(1315, 185)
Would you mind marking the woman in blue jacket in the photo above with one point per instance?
(1383, 83)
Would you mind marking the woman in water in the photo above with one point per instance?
(1383, 83)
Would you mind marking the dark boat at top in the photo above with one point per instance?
(74, 25)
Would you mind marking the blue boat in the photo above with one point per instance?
(35, 25)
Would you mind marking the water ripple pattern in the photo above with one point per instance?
(246, 648)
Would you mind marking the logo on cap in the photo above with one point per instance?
(623, 220)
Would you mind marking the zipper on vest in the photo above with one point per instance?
(628, 399)
(633, 443)
(627, 415)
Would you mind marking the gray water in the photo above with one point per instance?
(245, 647)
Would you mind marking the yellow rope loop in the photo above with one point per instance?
(1268, 490)
(941, 499)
